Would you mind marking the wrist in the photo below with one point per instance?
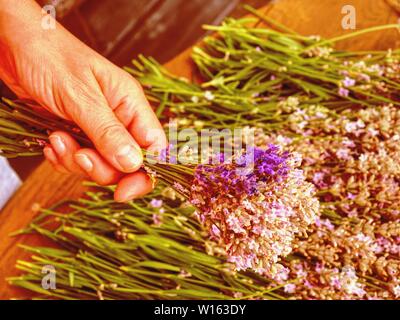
(20, 23)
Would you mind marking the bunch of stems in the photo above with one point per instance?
(24, 129)
(24, 132)
(117, 251)
(109, 250)
(247, 73)
(258, 60)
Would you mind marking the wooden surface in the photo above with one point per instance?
(46, 187)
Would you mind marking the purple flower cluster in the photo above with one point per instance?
(239, 178)
(166, 155)
(254, 205)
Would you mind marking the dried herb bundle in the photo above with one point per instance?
(338, 109)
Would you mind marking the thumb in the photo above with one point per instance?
(110, 137)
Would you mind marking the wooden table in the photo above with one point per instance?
(45, 186)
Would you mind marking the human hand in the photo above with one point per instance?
(75, 83)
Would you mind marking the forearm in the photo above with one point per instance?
(20, 21)
(26, 39)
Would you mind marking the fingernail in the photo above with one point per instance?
(49, 153)
(128, 196)
(58, 145)
(125, 198)
(129, 158)
(84, 162)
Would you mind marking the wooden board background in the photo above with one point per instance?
(46, 187)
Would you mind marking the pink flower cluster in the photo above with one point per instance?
(257, 227)
(353, 159)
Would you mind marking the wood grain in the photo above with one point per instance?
(310, 17)
(46, 187)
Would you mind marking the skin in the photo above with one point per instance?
(75, 83)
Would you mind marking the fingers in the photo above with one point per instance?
(144, 125)
(96, 167)
(129, 187)
(126, 98)
(133, 186)
(119, 121)
(64, 148)
(111, 139)
(65, 155)
(52, 158)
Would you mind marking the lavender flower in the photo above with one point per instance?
(349, 82)
(156, 203)
(343, 92)
(255, 214)
(289, 288)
